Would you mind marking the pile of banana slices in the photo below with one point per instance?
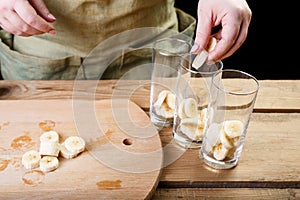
(192, 122)
(165, 104)
(229, 139)
(50, 149)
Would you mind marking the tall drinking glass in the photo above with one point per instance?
(192, 94)
(167, 55)
(232, 98)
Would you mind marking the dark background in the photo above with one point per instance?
(271, 47)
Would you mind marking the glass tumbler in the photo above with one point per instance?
(232, 98)
(192, 92)
(167, 54)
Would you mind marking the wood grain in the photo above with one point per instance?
(226, 193)
(268, 168)
(273, 96)
(115, 163)
(269, 158)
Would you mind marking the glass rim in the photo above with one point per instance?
(165, 53)
(241, 72)
(202, 72)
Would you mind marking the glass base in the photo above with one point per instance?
(218, 164)
(185, 142)
(161, 122)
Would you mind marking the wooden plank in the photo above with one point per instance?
(275, 95)
(116, 162)
(278, 95)
(270, 157)
(226, 193)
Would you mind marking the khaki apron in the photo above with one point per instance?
(82, 25)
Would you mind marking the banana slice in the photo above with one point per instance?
(190, 108)
(74, 144)
(49, 149)
(199, 133)
(200, 59)
(189, 127)
(161, 98)
(165, 104)
(65, 153)
(211, 44)
(49, 136)
(219, 151)
(170, 100)
(202, 117)
(49, 163)
(165, 111)
(180, 111)
(233, 128)
(31, 159)
(225, 140)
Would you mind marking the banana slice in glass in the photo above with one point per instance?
(233, 128)
(188, 108)
(219, 151)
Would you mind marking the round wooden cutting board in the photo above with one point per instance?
(122, 160)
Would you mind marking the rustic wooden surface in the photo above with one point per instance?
(115, 162)
(269, 167)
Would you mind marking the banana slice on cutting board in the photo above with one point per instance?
(49, 149)
(75, 144)
(165, 104)
(49, 145)
(31, 159)
(65, 153)
(49, 136)
(188, 108)
(49, 163)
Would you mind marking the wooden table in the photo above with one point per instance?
(269, 167)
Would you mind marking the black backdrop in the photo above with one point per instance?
(270, 50)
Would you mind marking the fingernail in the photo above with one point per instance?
(194, 48)
(52, 31)
(50, 16)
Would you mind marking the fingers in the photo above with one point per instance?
(227, 46)
(234, 18)
(20, 18)
(17, 26)
(31, 18)
(42, 10)
(227, 36)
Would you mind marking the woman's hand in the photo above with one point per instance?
(232, 16)
(26, 17)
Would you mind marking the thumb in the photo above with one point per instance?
(42, 10)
